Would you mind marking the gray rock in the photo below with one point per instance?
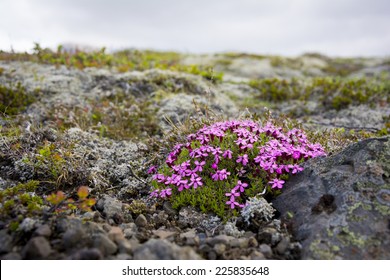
(283, 245)
(224, 239)
(5, 242)
(167, 206)
(109, 206)
(156, 249)
(256, 255)
(141, 221)
(36, 248)
(266, 250)
(87, 254)
(105, 245)
(219, 248)
(74, 237)
(43, 230)
(340, 205)
(11, 256)
(124, 246)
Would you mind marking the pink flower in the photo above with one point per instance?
(240, 186)
(195, 182)
(277, 184)
(166, 192)
(199, 165)
(232, 203)
(227, 154)
(152, 169)
(232, 193)
(154, 193)
(243, 159)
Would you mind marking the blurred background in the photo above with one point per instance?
(332, 27)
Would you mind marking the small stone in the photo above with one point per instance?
(212, 255)
(36, 248)
(269, 235)
(124, 246)
(219, 248)
(128, 233)
(109, 206)
(116, 234)
(5, 242)
(73, 237)
(163, 234)
(266, 250)
(43, 230)
(282, 246)
(224, 239)
(239, 243)
(141, 221)
(256, 255)
(157, 249)
(190, 238)
(11, 256)
(167, 206)
(123, 256)
(88, 254)
(105, 245)
(252, 242)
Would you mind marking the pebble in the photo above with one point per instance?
(266, 250)
(43, 230)
(11, 256)
(239, 243)
(124, 246)
(157, 249)
(256, 255)
(141, 221)
(224, 239)
(219, 248)
(5, 242)
(282, 246)
(167, 206)
(73, 237)
(105, 245)
(123, 256)
(116, 234)
(36, 248)
(87, 254)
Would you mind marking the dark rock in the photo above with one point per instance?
(269, 235)
(109, 206)
(43, 230)
(104, 244)
(74, 237)
(167, 206)
(141, 221)
(36, 248)
(156, 249)
(124, 246)
(5, 242)
(340, 204)
(87, 254)
(11, 256)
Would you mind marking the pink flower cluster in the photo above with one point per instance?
(253, 149)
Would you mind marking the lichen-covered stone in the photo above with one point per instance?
(339, 206)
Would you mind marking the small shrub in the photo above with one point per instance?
(224, 164)
(61, 203)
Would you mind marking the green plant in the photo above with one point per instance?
(61, 203)
(14, 99)
(224, 164)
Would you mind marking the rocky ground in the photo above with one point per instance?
(102, 127)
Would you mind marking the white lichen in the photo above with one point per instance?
(259, 207)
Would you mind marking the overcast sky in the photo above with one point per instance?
(285, 27)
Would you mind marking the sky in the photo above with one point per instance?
(280, 27)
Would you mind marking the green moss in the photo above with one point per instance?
(14, 99)
(322, 250)
(348, 238)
